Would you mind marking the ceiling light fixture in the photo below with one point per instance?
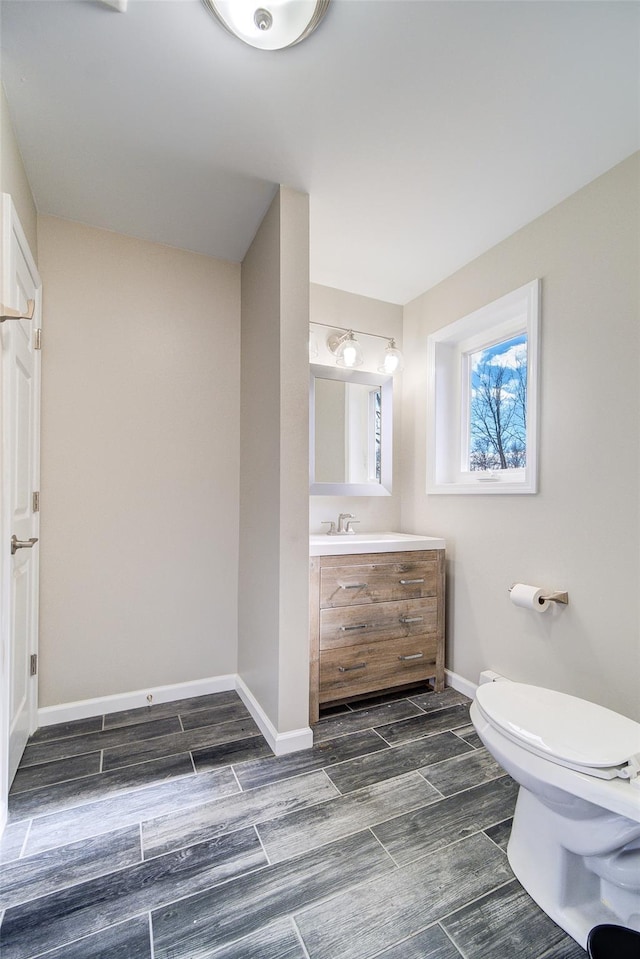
(278, 24)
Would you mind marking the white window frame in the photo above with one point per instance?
(448, 380)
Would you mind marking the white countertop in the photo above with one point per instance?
(321, 544)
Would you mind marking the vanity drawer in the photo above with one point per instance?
(354, 625)
(356, 585)
(352, 670)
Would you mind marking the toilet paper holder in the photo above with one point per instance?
(559, 596)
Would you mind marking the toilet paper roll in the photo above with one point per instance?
(529, 597)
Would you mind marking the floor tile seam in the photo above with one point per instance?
(118, 794)
(56, 782)
(299, 937)
(415, 739)
(205, 889)
(250, 734)
(56, 759)
(441, 845)
(144, 762)
(295, 775)
(331, 782)
(462, 952)
(235, 775)
(393, 746)
(465, 789)
(254, 823)
(189, 804)
(395, 862)
(262, 846)
(218, 722)
(21, 854)
(481, 746)
(440, 794)
(70, 885)
(458, 756)
(354, 884)
(388, 722)
(497, 845)
(101, 875)
(369, 827)
(72, 942)
(472, 902)
(154, 707)
(161, 904)
(393, 945)
(151, 942)
(95, 746)
(199, 842)
(264, 867)
(438, 709)
(60, 739)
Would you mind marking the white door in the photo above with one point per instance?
(19, 520)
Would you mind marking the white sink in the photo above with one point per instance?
(321, 544)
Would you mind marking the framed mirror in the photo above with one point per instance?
(350, 432)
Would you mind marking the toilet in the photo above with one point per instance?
(575, 841)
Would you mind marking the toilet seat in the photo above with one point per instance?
(564, 729)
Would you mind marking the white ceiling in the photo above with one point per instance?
(424, 132)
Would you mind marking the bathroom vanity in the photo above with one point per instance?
(376, 614)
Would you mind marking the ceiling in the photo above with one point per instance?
(424, 132)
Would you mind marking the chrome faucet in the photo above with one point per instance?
(345, 523)
(342, 528)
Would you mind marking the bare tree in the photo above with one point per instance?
(498, 414)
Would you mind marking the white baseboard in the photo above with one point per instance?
(464, 686)
(86, 708)
(280, 743)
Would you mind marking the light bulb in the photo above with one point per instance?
(349, 355)
(393, 361)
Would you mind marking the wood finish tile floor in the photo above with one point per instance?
(172, 832)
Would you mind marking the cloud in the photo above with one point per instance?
(514, 357)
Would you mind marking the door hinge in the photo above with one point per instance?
(35, 506)
(33, 664)
(37, 339)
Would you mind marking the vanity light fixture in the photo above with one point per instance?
(393, 361)
(274, 26)
(346, 349)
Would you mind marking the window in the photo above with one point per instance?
(482, 396)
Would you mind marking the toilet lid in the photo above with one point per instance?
(560, 726)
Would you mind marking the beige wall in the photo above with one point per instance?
(13, 178)
(344, 310)
(274, 549)
(581, 531)
(140, 424)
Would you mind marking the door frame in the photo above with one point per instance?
(11, 230)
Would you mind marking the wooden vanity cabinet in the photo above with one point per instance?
(376, 622)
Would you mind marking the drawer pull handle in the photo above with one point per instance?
(346, 629)
(347, 669)
(410, 582)
(353, 586)
(412, 656)
(411, 619)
